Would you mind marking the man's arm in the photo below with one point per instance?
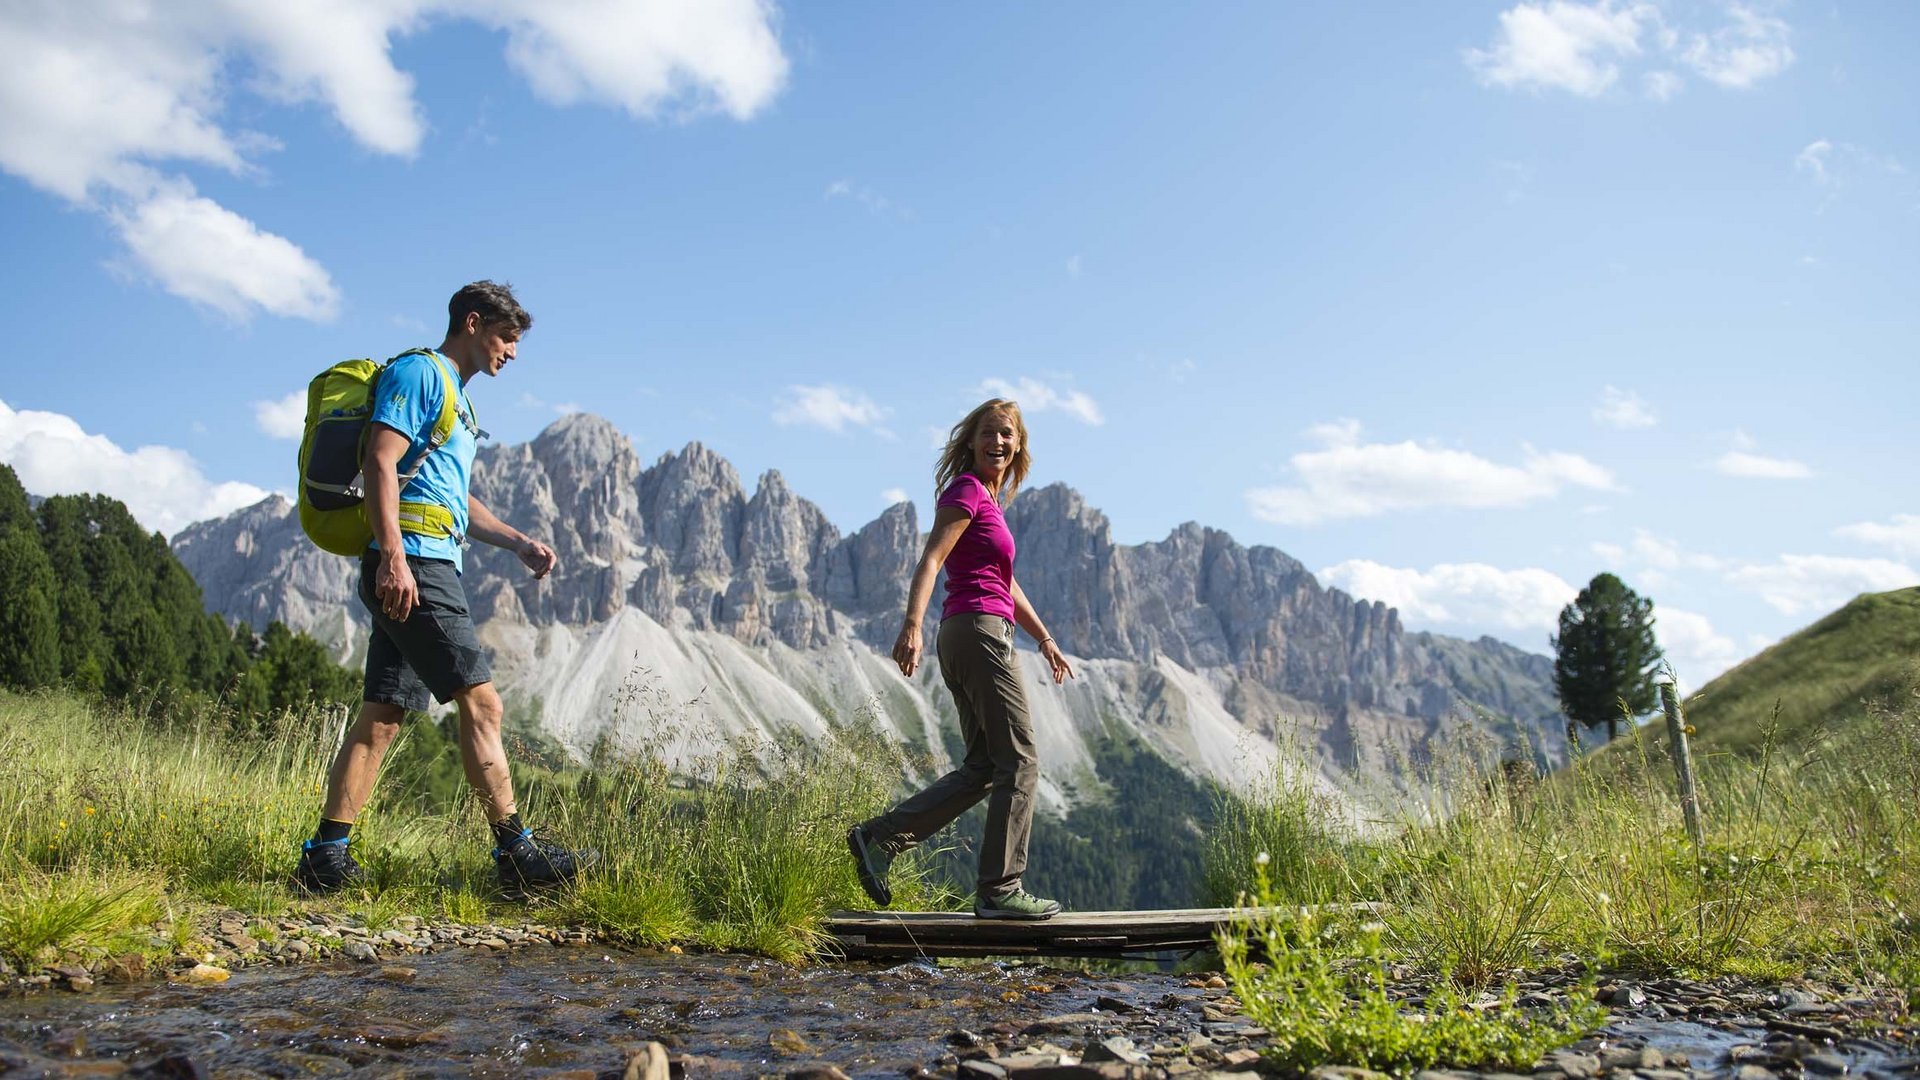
(393, 584)
(488, 529)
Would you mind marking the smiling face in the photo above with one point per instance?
(482, 347)
(996, 439)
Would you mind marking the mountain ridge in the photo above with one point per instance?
(762, 604)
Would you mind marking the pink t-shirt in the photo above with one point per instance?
(980, 566)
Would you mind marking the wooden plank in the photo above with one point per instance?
(1077, 933)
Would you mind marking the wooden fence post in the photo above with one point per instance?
(1683, 761)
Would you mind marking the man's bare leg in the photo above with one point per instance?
(482, 753)
(525, 861)
(357, 765)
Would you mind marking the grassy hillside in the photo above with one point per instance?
(1826, 677)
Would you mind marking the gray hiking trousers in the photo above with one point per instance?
(978, 662)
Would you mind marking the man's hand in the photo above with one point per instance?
(537, 557)
(394, 587)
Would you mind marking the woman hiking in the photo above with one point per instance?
(980, 470)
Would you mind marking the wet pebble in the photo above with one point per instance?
(206, 975)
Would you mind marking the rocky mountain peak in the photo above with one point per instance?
(682, 542)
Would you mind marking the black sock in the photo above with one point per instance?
(331, 830)
(507, 830)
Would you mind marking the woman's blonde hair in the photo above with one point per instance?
(957, 458)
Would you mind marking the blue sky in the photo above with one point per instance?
(1458, 304)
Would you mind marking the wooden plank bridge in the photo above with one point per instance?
(907, 934)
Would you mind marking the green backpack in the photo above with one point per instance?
(332, 492)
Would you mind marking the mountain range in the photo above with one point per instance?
(687, 613)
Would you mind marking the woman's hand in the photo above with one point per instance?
(1056, 660)
(906, 648)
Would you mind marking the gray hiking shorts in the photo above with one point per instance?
(433, 651)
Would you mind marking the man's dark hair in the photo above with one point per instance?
(493, 302)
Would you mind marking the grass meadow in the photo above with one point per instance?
(1810, 865)
(111, 825)
(115, 832)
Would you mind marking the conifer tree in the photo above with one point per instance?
(1605, 655)
(29, 620)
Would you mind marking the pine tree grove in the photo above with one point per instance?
(90, 601)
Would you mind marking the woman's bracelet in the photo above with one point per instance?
(1044, 640)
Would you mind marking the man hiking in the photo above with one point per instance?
(423, 640)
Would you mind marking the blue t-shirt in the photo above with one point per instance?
(411, 391)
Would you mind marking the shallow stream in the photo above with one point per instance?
(584, 1011)
(580, 1011)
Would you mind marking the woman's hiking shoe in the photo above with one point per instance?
(871, 861)
(325, 866)
(1018, 904)
(533, 862)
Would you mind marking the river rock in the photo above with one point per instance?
(1578, 1066)
(1346, 1072)
(206, 975)
(649, 1064)
(174, 1066)
(125, 968)
(1625, 996)
(1117, 1048)
(1825, 1062)
(360, 950)
(817, 1072)
(788, 1041)
(1065, 1024)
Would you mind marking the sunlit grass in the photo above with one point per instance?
(1811, 859)
(747, 853)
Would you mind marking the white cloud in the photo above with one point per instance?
(200, 251)
(1902, 534)
(1816, 584)
(162, 487)
(1654, 559)
(97, 95)
(560, 408)
(1036, 396)
(1561, 45)
(1696, 650)
(1581, 47)
(1751, 47)
(1748, 465)
(1662, 85)
(894, 496)
(1812, 159)
(1073, 266)
(1623, 409)
(282, 419)
(867, 197)
(1473, 594)
(1348, 479)
(832, 408)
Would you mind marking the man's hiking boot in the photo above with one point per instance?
(326, 866)
(533, 862)
(1018, 904)
(871, 860)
